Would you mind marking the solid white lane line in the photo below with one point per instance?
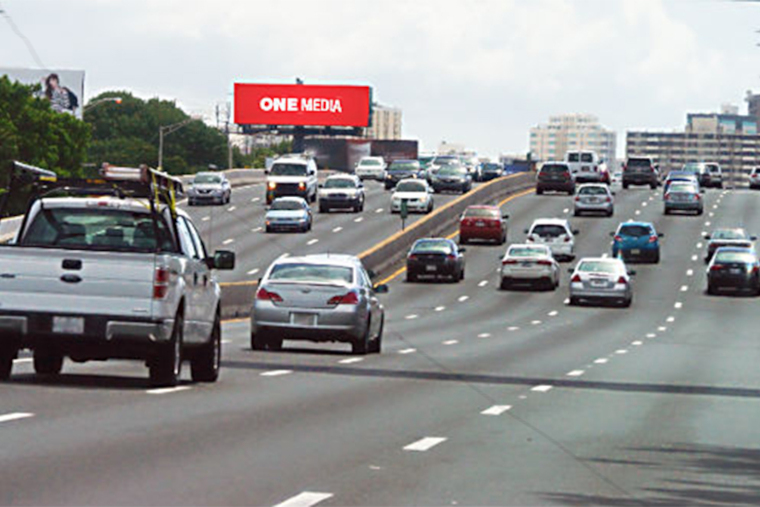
(601, 360)
(553, 313)
(411, 316)
(575, 373)
(513, 328)
(440, 308)
(275, 373)
(305, 499)
(205, 219)
(684, 288)
(358, 219)
(253, 271)
(678, 305)
(351, 360)
(14, 416)
(462, 299)
(407, 351)
(690, 272)
(637, 343)
(256, 199)
(451, 342)
(167, 390)
(535, 322)
(484, 335)
(232, 208)
(621, 351)
(338, 229)
(228, 241)
(483, 283)
(424, 444)
(670, 319)
(312, 241)
(23, 360)
(542, 388)
(496, 410)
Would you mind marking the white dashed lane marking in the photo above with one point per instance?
(462, 299)
(536, 322)
(662, 329)
(338, 229)
(351, 360)
(228, 241)
(484, 335)
(670, 319)
(14, 416)
(276, 373)
(424, 444)
(651, 335)
(621, 351)
(601, 360)
(253, 271)
(305, 499)
(407, 351)
(575, 373)
(483, 283)
(168, 390)
(496, 410)
(678, 305)
(637, 343)
(699, 245)
(690, 272)
(440, 308)
(684, 288)
(694, 258)
(257, 229)
(411, 317)
(231, 208)
(566, 210)
(542, 388)
(451, 342)
(513, 328)
(256, 199)
(205, 219)
(553, 313)
(312, 241)
(379, 210)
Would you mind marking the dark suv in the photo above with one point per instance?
(640, 171)
(555, 176)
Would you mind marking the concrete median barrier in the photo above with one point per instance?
(237, 297)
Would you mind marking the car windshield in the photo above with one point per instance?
(370, 162)
(445, 160)
(97, 229)
(729, 234)
(527, 251)
(279, 205)
(481, 213)
(598, 267)
(411, 186)
(635, 231)
(286, 169)
(452, 171)
(404, 166)
(340, 183)
(593, 191)
(433, 247)
(311, 273)
(734, 257)
(549, 230)
(207, 178)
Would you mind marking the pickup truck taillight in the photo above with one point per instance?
(160, 283)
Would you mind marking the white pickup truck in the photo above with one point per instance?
(587, 167)
(110, 269)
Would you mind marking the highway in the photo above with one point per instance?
(480, 396)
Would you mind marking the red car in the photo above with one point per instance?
(483, 222)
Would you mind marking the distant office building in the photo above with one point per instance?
(727, 138)
(571, 132)
(753, 104)
(386, 123)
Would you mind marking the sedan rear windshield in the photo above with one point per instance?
(729, 234)
(683, 188)
(285, 169)
(551, 231)
(370, 161)
(635, 231)
(403, 167)
(452, 171)
(481, 213)
(734, 257)
(445, 160)
(528, 252)
(491, 167)
(411, 186)
(433, 247)
(639, 162)
(555, 168)
(311, 273)
(97, 229)
(340, 183)
(207, 178)
(592, 191)
(598, 267)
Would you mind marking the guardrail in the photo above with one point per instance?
(237, 297)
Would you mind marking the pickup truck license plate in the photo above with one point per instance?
(430, 267)
(304, 319)
(68, 325)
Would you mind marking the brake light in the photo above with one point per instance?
(160, 283)
(652, 239)
(508, 262)
(544, 263)
(576, 279)
(451, 257)
(565, 174)
(617, 238)
(622, 280)
(412, 257)
(716, 267)
(567, 239)
(265, 295)
(755, 269)
(577, 198)
(349, 298)
(697, 197)
(609, 199)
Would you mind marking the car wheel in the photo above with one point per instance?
(699, 212)
(322, 208)
(656, 258)
(711, 290)
(7, 355)
(611, 212)
(653, 186)
(411, 277)
(539, 191)
(258, 341)
(461, 274)
(360, 345)
(574, 301)
(47, 362)
(505, 284)
(165, 366)
(625, 185)
(627, 302)
(576, 213)
(666, 211)
(204, 365)
(274, 342)
(463, 240)
(376, 345)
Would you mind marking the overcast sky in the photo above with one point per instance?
(477, 72)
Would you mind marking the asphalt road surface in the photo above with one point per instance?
(480, 397)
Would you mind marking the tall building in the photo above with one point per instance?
(386, 123)
(727, 138)
(571, 132)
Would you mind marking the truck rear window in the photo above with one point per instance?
(97, 229)
(285, 169)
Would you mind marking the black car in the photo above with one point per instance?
(451, 179)
(735, 268)
(491, 170)
(401, 170)
(640, 171)
(435, 258)
(555, 176)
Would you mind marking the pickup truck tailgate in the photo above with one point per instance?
(76, 282)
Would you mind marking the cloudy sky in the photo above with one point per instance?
(477, 72)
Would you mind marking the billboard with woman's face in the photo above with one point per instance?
(63, 88)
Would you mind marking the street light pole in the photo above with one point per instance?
(165, 130)
(94, 103)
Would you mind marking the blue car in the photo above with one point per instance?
(636, 241)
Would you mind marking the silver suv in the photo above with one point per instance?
(320, 298)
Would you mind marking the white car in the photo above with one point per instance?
(528, 263)
(417, 194)
(555, 233)
(371, 168)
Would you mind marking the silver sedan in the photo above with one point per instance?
(601, 279)
(594, 198)
(319, 298)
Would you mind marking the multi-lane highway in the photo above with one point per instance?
(480, 397)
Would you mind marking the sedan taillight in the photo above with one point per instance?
(265, 295)
(576, 279)
(349, 298)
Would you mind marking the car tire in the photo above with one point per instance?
(611, 213)
(274, 342)
(653, 186)
(376, 345)
(411, 277)
(666, 211)
(258, 341)
(47, 362)
(711, 290)
(205, 362)
(463, 240)
(360, 346)
(429, 208)
(165, 366)
(627, 302)
(461, 274)
(574, 301)
(699, 212)
(322, 208)
(625, 185)
(656, 258)
(576, 213)
(505, 284)
(539, 191)
(7, 355)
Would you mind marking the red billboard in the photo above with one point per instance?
(317, 105)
